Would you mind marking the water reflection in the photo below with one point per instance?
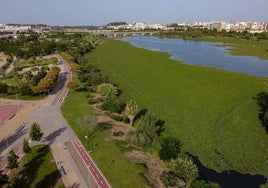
(203, 53)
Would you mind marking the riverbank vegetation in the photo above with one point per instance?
(212, 111)
(242, 43)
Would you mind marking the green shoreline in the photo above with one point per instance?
(241, 47)
(210, 110)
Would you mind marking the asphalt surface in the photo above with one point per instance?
(56, 132)
(92, 168)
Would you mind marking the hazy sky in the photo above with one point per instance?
(101, 12)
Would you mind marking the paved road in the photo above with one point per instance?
(93, 169)
(56, 132)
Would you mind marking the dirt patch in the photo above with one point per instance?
(112, 125)
(2, 59)
(153, 164)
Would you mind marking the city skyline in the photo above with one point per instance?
(84, 12)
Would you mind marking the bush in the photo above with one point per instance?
(107, 90)
(126, 119)
(91, 100)
(79, 89)
(170, 148)
(169, 178)
(116, 117)
(111, 105)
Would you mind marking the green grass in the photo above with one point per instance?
(40, 62)
(242, 46)
(40, 168)
(121, 173)
(210, 110)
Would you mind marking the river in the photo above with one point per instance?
(202, 53)
(218, 56)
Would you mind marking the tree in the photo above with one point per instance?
(107, 90)
(184, 167)
(3, 179)
(20, 181)
(89, 123)
(26, 148)
(146, 133)
(12, 160)
(131, 110)
(169, 178)
(72, 85)
(170, 148)
(112, 105)
(27, 76)
(148, 125)
(26, 89)
(36, 133)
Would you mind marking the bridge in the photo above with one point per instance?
(116, 33)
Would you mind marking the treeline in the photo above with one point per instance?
(28, 46)
(31, 84)
(197, 32)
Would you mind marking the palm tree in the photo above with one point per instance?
(131, 110)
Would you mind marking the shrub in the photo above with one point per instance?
(116, 117)
(170, 148)
(91, 100)
(169, 178)
(72, 85)
(107, 90)
(111, 105)
(125, 119)
(79, 89)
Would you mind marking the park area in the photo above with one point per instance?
(214, 113)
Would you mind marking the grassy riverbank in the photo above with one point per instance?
(242, 46)
(210, 110)
(107, 155)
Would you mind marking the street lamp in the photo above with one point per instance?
(86, 137)
(16, 98)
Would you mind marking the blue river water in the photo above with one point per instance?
(202, 53)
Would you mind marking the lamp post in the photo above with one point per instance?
(86, 137)
(16, 98)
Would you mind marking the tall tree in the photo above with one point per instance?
(26, 148)
(36, 133)
(170, 148)
(184, 167)
(89, 123)
(131, 110)
(12, 160)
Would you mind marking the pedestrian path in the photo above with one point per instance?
(71, 176)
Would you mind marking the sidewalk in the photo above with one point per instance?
(71, 176)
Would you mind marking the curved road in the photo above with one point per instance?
(56, 131)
